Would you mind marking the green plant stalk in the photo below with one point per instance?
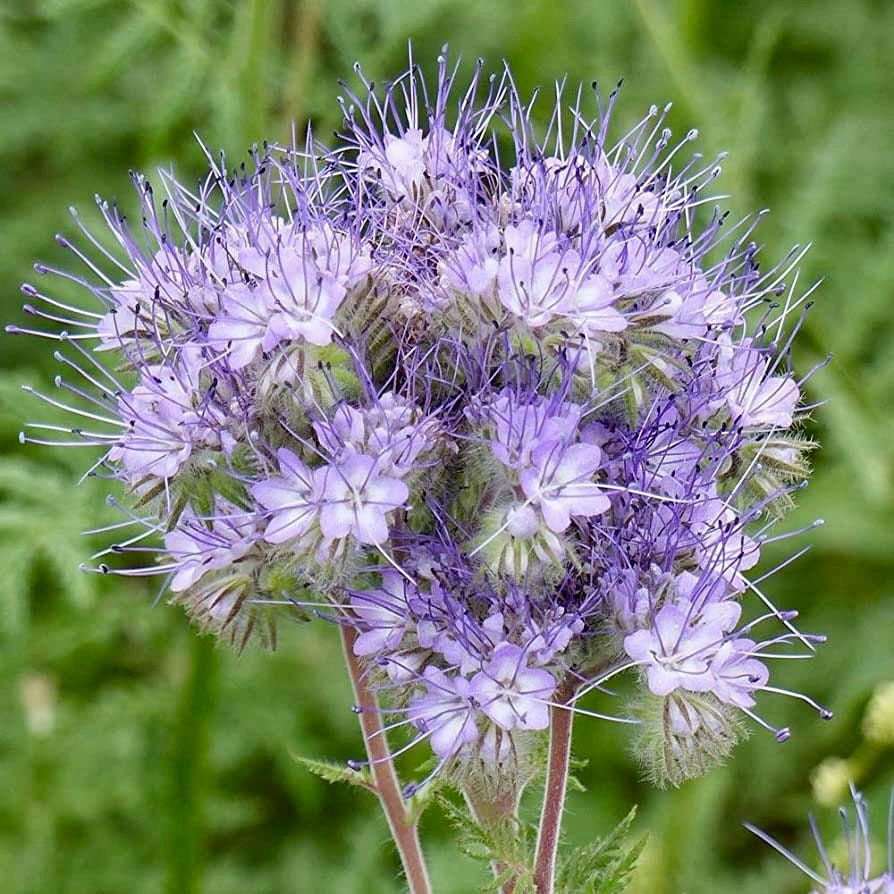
(491, 812)
(305, 40)
(188, 761)
(404, 831)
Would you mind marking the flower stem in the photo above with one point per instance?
(185, 833)
(404, 831)
(561, 720)
(489, 812)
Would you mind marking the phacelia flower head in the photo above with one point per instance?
(513, 403)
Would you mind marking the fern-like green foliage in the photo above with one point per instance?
(41, 531)
(603, 866)
(506, 846)
(333, 772)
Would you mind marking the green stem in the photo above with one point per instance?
(189, 752)
(305, 40)
(489, 812)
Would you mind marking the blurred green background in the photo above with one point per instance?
(136, 757)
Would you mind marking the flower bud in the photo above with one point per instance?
(518, 544)
(683, 735)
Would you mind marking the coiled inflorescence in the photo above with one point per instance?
(515, 405)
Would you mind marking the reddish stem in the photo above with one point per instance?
(561, 720)
(404, 831)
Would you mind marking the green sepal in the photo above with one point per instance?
(508, 843)
(231, 489)
(422, 800)
(199, 489)
(148, 495)
(244, 461)
(278, 580)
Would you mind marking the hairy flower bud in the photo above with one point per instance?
(682, 736)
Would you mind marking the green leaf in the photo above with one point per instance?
(508, 844)
(333, 772)
(604, 866)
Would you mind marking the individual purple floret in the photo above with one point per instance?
(513, 695)
(200, 545)
(677, 652)
(383, 612)
(560, 482)
(445, 713)
(292, 499)
(356, 500)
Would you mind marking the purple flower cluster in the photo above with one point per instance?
(516, 407)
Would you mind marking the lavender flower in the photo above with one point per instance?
(512, 694)
(559, 481)
(291, 499)
(520, 421)
(445, 713)
(383, 612)
(199, 546)
(357, 499)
